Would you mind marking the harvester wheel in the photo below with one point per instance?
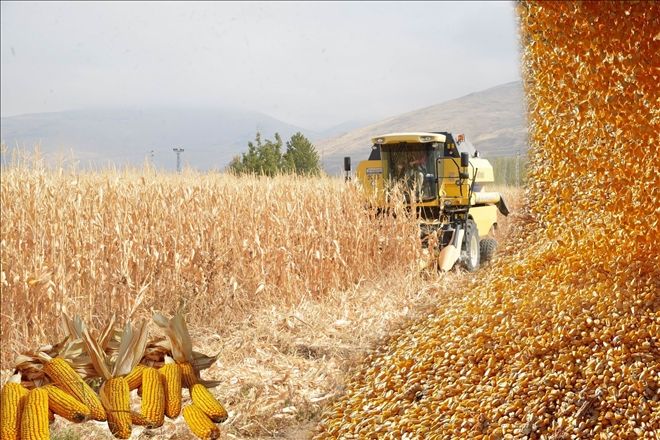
(487, 246)
(471, 252)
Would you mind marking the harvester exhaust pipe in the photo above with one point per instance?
(451, 253)
(347, 168)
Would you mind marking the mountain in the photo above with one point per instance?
(492, 119)
(339, 129)
(209, 136)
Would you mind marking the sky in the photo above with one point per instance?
(314, 64)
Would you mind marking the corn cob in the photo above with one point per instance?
(205, 401)
(199, 423)
(134, 378)
(171, 376)
(34, 419)
(64, 404)
(188, 376)
(12, 400)
(115, 392)
(65, 377)
(116, 400)
(153, 397)
(138, 419)
(181, 346)
(51, 417)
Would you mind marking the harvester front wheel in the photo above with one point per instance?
(488, 246)
(471, 251)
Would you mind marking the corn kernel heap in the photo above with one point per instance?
(561, 340)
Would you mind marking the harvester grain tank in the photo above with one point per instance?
(443, 179)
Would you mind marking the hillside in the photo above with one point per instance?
(210, 136)
(493, 119)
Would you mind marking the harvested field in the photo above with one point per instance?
(287, 278)
(561, 339)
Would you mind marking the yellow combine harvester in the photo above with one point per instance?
(443, 181)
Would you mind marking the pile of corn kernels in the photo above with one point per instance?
(560, 339)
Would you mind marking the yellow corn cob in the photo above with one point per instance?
(64, 404)
(134, 378)
(12, 400)
(171, 376)
(65, 377)
(34, 419)
(153, 397)
(138, 419)
(116, 400)
(189, 378)
(205, 401)
(199, 423)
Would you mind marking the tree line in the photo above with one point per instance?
(265, 157)
(298, 155)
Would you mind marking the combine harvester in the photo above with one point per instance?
(442, 179)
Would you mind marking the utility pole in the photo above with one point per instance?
(178, 152)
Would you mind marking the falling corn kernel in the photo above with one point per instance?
(560, 339)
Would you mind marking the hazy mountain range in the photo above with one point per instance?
(493, 119)
(210, 137)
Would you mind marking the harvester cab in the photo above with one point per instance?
(442, 179)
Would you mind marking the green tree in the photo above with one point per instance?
(262, 157)
(265, 157)
(270, 156)
(236, 165)
(301, 156)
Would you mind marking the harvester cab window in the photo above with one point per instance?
(451, 150)
(454, 149)
(413, 166)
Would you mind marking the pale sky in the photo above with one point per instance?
(311, 64)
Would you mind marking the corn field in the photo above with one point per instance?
(124, 242)
(561, 339)
(557, 340)
(510, 170)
